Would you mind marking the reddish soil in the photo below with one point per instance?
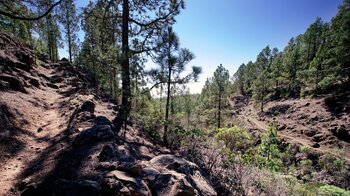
(304, 121)
(38, 103)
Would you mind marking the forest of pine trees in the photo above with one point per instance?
(121, 36)
(115, 50)
(313, 63)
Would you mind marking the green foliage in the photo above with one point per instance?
(69, 18)
(235, 138)
(326, 84)
(332, 190)
(305, 148)
(333, 161)
(268, 152)
(312, 63)
(151, 119)
(18, 28)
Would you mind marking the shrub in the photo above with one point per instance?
(305, 149)
(235, 138)
(332, 190)
(326, 84)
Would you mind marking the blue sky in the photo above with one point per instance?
(232, 32)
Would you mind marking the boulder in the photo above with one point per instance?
(107, 166)
(56, 79)
(109, 151)
(123, 182)
(310, 132)
(314, 117)
(88, 106)
(150, 173)
(282, 127)
(112, 187)
(181, 177)
(97, 133)
(319, 137)
(132, 168)
(13, 83)
(101, 120)
(34, 82)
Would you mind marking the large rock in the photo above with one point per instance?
(12, 83)
(88, 106)
(109, 151)
(94, 134)
(178, 177)
(310, 132)
(102, 120)
(122, 182)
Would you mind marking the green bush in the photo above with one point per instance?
(327, 190)
(305, 148)
(235, 138)
(153, 121)
(333, 161)
(327, 83)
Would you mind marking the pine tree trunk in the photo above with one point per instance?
(69, 34)
(165, 135)
(126, 92)
(69, 43)
(219, 111)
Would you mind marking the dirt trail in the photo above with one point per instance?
(40, 108)
(262, 126)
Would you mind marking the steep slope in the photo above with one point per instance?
(57, 137)
(306, 121)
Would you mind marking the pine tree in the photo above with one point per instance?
(70, 20)
(220, 88)
(268, 149)
(172, 61)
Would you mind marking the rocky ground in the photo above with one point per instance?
(58, 137)
(314, 122)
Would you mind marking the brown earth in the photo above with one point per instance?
(304, 121)
(58, 136)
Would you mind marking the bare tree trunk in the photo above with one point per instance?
(69, 33)
(219, 111)
(126, 92)
(165, 135)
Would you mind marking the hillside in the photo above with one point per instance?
(304, 121)
(58, 136)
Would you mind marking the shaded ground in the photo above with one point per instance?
(41, 116)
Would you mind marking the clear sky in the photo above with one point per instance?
(232, 32)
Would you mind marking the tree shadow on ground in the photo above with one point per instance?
(338, 104)
(66, 164)
(9, 130)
